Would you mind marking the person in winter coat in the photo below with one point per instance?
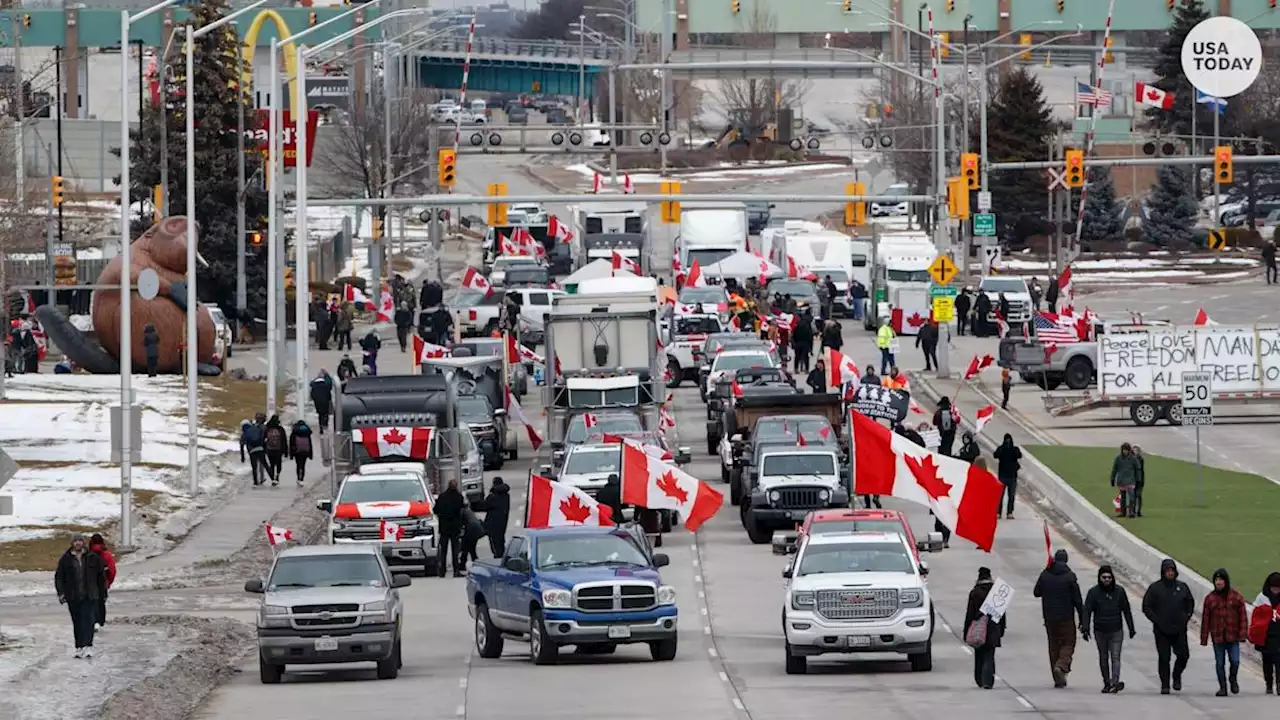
(1006, 385)
(610, 496)
(964, 302)
(969, 450)
(322, 397)
(858, 299)
(151, 346)
(324, 323)
(449, 506)
(497, 513)
(981, 314)
(404, 325)
(472, 533)
(81, 581)
(346, 369)
(30, 349)
(1169, 606)
(1051, 295)
(945, 420)
(1002, 306)
(1135, 509)
(832, 336)
(1036, 292)
(1107, 605)
(802, 342)
(1264, 631)
(927, 341)
(817, 378)
(252, 436)
(1269, 259)
(1124, 477)
(98, 545)
(1060, 604)
(984, 658)
(276, 441)
(301, 447)
(371, 344)
(1225, 620)
(870, 376)
(346, 321)
(885, 338)
(1008, 462)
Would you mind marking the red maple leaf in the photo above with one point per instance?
(916, 320)
(926, 474)
(1153, 95)
(394, 437)
(669, 487)
(573, 510)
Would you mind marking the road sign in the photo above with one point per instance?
(936, 291)
(984, 225)
(1057, 178)
(984, 201)
(944, 309)
(1197, 398)
(943, 271)
(1217, 239)
(990, 258)
(1221, 57)
(7, 468)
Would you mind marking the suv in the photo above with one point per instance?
(851, 593)
(789, 483)
(324, 604)
(394, 492)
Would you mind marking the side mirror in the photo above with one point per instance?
(400, 580)
(517, 564)
(254, 586)
(324, 505)
(500, 412)
(924, 569)
(683, 456)
(544, 470)
(661, 560)
(787, 573)
(784, 542)
(557, 457)
(736, 438)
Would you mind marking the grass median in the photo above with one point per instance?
(1234, 527)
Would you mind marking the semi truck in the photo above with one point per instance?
(900, 281)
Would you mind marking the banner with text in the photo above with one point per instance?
(256, 138)
(1241, 358)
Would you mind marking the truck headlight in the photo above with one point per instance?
(338, 527)
(666, 595)
(378, 607)
(802, 600)
(774, 496)
(557, 598)
(911, 598)
(273, 616)
(424, 523)
(823, 495)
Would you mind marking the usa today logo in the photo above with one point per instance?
(1221, 57)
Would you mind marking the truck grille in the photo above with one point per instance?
(799, 498)
(615, 597)
(341, 615)
(866, 604)
(373, 532)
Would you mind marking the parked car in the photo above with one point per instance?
(517, 115)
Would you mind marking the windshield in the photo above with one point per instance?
(707, 257)
(475, 298)
(595, 462)
(611, 424)
(738, 362)
(483, 348)
(855, 557)
(468, 441)
(1004, 285)
(506, 263)
(837, 276)
(397, 489)
(792, 288)
(837, 526)
(307, 571)
(775, 465)
(742, 342)
(915, 276)
(772, 429)
(693, 296)
(693, 325)
(569, 551)
(528, 275)
(474, 409)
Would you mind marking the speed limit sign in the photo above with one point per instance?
(1197, 398)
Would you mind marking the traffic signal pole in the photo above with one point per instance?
(57, 63)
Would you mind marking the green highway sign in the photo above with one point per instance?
(943, 291)
(984, 225)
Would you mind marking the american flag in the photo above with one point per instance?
(1052, 329)
(1086, 95)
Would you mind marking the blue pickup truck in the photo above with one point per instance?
(590, 587)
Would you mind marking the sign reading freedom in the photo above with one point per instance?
(256, 137)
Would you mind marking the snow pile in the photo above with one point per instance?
(1143, 269)
(1130, 263)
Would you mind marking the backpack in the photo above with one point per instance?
(251, 436)
(302, 444)
(945, 422)
(275, 439)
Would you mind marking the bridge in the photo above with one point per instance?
(505, 65)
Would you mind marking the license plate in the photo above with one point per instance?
(859, 641)
(326, 644)
(617, 632)
(798, 514)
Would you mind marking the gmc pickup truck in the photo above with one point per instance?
(591, 587)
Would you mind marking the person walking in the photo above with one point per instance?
(472, 533)
(449, 507)
(1124, 477)
(300, 448)
(1269, 259)
(969, 450)
(1051, 294)
(802, 341)
(1264, 631)
(1008, 462)
(251, 441)
(832, 335)
(322, 397)
(404, 324)
(346, 369)
(944, 418)
(345, 322)
(885, 339)
(151, 348)
(81, 580)
(610, 496)
(927, 342)
(1107, 605)
(1036, 292)
(1006, 385)
(276, 442)
(1169, 606)
(1135, 508)
(964, 301)
(497, 514)
(1225, 620)
(981, 314)
(1060, 604)
(984, 656)
(98, 545)
(371, 344)
(817, 378)
(857, 299)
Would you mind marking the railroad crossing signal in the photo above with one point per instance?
(969, 168)
(1222, 165)
(670, 208)
(59, 191)
(855, 213)
(957, 199)
(447, 168)
(943, 270)
(1075, 168)
(736, 6)
(377, 229)
(497, 212)
(1217, 240)
(1057, 179)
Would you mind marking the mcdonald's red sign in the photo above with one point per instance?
(256, 138)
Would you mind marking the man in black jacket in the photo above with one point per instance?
(81, 580)
(927, 341)
(497, 513)
(611, 497)
(449, 512)
(322, 397)
(1108, 604)
(1060, 603)
(1168, 604)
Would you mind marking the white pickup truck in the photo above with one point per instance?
(684, 346)
(395, 492)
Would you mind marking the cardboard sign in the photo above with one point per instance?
(998, 600)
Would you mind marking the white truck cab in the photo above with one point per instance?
(851, 593)
(397, 493)
(1015, 291)
(902, 270)
(588, 467)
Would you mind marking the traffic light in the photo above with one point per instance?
(157, 202)
(256, 239)
(855, 212)
(1062, 6)
(670, 208)
(944, 44)
(447, 170)
(59, 191)
(497, 211)
(848, 6)
(969, 170)
(311, 18)
(736, 6)
(1075, 168)
(1271, 4)
(377, 229)
(957, 198)
(1024, 40)
(26, 22)
(1222, 170)
(951, 5)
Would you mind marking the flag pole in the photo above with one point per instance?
(1218, 107)
(528, 488)
(1093, 127)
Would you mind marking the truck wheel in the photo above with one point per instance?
(663, 650)
(735, 488)
(541, 649)
(922, 662)
(1079, 373)
(677, 375)
(758, 534)
(1173, 413)
(1144, 414)
(666, 521)
(389, 669)
(488, 640)
(269, 674)
(796, 664)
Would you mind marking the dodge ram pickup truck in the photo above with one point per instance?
(591, 587)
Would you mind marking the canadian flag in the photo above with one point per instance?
(517, 353)
(648, 482)
(736, 388)
(1066, 294)
(694, 278)
(424, 350)
(675, 260)
(410, 442)
(558, 230)
(1202, 318)
(963, 497)
(597, 183)
(473, 280)
(1153, 96)
(841, 369)
(1002, 326)
(553, 504)
(624, 263)
(508, 247)
(983, 417)
(386, 306)
(588, 420)
(390, 532)
(666, 421)
(277, 535)
(353, 294)
(653, 451)
(786, 320)
(977, 365)
(796, 270)
(627, 187)
(527, 243)
(517, 414)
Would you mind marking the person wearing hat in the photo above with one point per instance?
(497, 512)
(984, 657)
(81, 580)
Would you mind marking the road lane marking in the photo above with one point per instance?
(695, 561)
(703, 609)
(462, 683)
(1025, 702)
(706, 629)
(738, 704)
(724, 676)
(712, 652)
(460, 710)
(697, 578)
(702, 594)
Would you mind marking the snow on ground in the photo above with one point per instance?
(1129, 263)
(731, 173)
(58, 429)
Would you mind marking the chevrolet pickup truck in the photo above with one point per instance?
(591, 587)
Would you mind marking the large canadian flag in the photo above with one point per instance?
(473, 280)
(841, 369)
(963, 497)
(553, 504)
(517, 414)
(518, 353)
(694, 278)
(648, 482)
(796, 270)
(410, 442)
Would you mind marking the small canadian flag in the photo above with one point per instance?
(1202, 318)
(627, 187)
(277, 535)
(1153, 96)
(983, 417)
(588, 420)
(389, 531)
(473, 280)
(596, 183)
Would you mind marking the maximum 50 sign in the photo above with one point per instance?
(1197, 398)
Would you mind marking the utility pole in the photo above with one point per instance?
(20, 152)
(57, 63)
(242, 300)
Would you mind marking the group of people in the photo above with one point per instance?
(461, 529)
(264, 444)
(84, 575)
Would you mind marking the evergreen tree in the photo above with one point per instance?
(215, 97)
(1018, 129)
(1171, 209)
(1177, 120)
(1101, 210)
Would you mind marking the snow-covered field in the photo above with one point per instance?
(1155, 266)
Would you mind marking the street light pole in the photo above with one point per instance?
(273, 268)
(242, 299)
(582, 64)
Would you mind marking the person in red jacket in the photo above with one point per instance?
(98, 545)
(1264, 631)
(1225, 619)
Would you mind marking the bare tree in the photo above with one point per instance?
(364, 153)
(750, 101)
